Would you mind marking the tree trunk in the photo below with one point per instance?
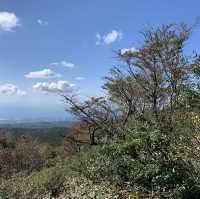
(92, 136)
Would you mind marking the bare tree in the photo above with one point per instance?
(124, 91)
(100, 115)
(159, 66)
(150, 84)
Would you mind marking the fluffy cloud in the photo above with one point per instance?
(79, 78)
(11, 89)
(45, 73)
(64, 64)
(42, 22)
(125, 51)
(53, 87)
(8, 21)
(111, 37)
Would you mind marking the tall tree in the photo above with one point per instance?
(159, 67)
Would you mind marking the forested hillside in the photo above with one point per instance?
(52, 136)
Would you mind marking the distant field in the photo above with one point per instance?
(51, 133)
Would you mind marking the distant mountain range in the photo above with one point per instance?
(45, 132)
(40, 124)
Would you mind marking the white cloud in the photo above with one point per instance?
(124, 51)
(8, 21)
(42, 22)
(8, 89)
(11, 89)
(64, 64)
(111, 37)
(45, 73)
(53, 87)
(79, 78)
(98, 37)
(21, 92)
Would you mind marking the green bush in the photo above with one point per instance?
(149, 161)
(36, 185)
(147, 164)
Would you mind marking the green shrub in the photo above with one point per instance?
(149, 161)
(147, 164)
(36, 185)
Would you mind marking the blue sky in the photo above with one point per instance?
(51, 45)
